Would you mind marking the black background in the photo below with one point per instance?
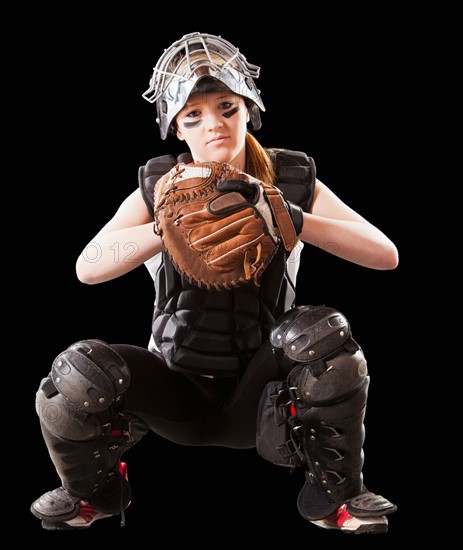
(331, 87)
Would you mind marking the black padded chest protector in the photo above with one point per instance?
(212, 332)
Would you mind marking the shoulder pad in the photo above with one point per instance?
(296, 175)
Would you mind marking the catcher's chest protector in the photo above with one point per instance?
(217, 332)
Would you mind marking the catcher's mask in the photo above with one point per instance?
(190, 59)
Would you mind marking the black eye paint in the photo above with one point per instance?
(192, 124)
(231, 112)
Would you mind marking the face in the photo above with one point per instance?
(214, 127)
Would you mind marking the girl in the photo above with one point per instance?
(219, 362)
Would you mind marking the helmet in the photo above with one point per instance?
(189, 60)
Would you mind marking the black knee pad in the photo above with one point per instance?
(309, 333)
(74, 401)
(90, 375)
(60, 418)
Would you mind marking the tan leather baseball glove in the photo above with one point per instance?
(220, 226)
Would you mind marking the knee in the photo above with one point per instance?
(308, 333)
(85, 380)
(315, 345)
(59, 417)
(90, 375)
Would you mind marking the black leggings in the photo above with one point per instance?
(197, 410)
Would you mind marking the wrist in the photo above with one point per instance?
(295, 212)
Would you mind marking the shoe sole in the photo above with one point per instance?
(64, 526)
(364, 529)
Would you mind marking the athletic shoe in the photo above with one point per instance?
(345, 522)
(59, 510)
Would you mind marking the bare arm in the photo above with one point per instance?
(336, 228)
(123, 244)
